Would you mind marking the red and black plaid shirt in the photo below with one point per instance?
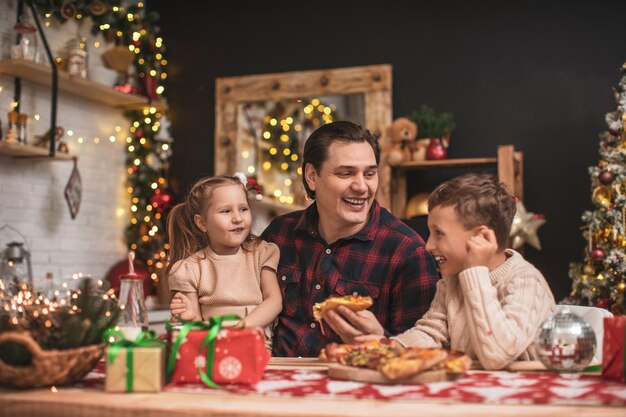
(386, 260)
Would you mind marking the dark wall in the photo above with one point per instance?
(537, 75)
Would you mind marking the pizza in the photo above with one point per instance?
(412, 361)
(394, 362)
(457, 362)
(353, 302)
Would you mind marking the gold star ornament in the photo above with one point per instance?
(524, 227)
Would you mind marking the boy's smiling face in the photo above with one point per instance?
(447, 239)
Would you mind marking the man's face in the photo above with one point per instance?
(344, 187)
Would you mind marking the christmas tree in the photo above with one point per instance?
(148, 152)
(600, 279)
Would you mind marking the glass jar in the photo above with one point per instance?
(22, 120)
(26, 47)
(134, 315)
(12, 130)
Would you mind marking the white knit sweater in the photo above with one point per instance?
(493, 317)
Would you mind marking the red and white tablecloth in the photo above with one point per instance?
(475, 387)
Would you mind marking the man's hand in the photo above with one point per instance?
(181, 307)
(481, 248)
(349, 324)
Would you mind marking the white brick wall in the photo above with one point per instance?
(31, 192)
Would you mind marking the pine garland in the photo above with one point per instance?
(70, 320)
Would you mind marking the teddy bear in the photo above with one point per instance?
(401, 136)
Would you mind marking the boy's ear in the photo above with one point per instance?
(479, 230)
(199, 221)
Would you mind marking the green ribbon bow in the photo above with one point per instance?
(116, 341)
(213, 326)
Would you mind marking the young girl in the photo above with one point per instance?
(216, 266)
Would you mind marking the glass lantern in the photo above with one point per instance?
(26, 47)
(15, 264)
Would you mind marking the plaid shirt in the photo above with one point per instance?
(386, 260)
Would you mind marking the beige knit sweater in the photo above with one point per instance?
(225, 284)
(493, 317)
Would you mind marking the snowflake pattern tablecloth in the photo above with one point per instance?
(475, 387)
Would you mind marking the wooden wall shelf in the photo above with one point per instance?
(87, 89)
(30, 152)
(509, 163)
(446, 163)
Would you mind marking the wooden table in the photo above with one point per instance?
(82, 402)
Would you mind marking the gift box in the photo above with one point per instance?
(146, 370)
(239, 356)
(613, 360)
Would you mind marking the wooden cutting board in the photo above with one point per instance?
(369, 375)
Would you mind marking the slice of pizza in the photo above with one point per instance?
(457, 362)
(411, 362)
(353, 302)
(368, 354)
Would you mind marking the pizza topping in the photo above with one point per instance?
(353, 302)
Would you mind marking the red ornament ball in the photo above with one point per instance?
(603, 303)
(162, 200)
(598, 254)
(606, 177)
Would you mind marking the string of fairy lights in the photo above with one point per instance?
(284, 128)
(132, 27)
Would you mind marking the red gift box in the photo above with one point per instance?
(613, 360)
(240, 357)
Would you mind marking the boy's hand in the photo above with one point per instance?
(481, 248)
(181, 307)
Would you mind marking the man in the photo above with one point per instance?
(346, 244)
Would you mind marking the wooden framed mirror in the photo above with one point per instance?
(262, 121)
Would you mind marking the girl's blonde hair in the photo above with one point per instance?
(185, 237)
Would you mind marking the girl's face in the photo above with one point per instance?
(447, 240)
(227, 219)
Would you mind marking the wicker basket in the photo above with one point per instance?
(48, 367)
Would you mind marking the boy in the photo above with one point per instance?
(490, 302)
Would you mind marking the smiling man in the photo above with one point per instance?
(345, 243)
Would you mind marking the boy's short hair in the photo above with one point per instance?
(478, 199)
